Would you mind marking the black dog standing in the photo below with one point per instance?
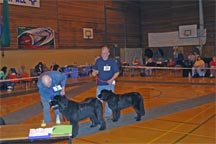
(116, 102)
(89, 108)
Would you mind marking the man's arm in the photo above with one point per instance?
(63, 80)
(63, 83)
(113, 78)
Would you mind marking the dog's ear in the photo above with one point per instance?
(55, 97)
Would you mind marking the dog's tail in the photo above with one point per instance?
(142, 109)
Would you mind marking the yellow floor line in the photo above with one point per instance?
(179, 125)
(161, 130)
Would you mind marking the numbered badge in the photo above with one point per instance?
(57, 88)
(107, 68)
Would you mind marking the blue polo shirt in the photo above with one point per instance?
(106, 68)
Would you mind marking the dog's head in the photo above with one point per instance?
(105, 94)
(59, 102)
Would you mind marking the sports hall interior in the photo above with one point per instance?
(179, 108)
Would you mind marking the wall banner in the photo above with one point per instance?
(35, 38)
(170, 39)
(29, 3)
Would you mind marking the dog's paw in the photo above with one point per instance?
(138, 118)
(74, 135)
(93, 125)
(114, 120)
(102, 127)
(143, 113)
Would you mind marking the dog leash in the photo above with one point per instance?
(103, 81)
(97, 80)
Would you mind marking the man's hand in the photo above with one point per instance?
(94, 72)
(62, 91)
(110, 82)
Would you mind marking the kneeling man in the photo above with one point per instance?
(50, 84)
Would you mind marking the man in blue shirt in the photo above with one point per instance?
(50, 84)
(107, 71)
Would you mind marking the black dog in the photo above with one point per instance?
(73, 111)
(116, 102)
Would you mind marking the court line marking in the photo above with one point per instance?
(186, 133)
(190, 132)
(179, 125)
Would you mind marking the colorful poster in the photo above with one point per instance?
(28, 3)
(35, 38)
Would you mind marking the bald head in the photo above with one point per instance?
(46, 80)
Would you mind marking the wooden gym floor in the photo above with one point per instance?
(178, 110)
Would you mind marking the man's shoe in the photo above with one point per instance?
(9, 87)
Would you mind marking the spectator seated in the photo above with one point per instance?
(171, 63)
(135, 63)
(125, 69)
(198, 69)
(149, 63)
(13, 77)
(33, 75)
(25, 78)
